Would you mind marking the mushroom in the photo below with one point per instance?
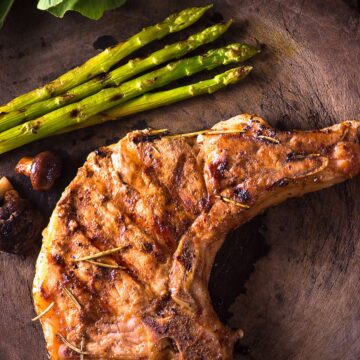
(20, 223)
(43, 169)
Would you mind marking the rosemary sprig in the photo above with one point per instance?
(155, 149)
(71, 346)
(203, 132)
(101, 264)
(268, 138)
(100, 254)
(300, 156)
(231, 201)
(72, 297)
(82, 345)
(159, 131)
(43, 312)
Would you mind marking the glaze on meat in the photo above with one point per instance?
(167, 205)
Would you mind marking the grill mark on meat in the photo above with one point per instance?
(178, 172)
(94, 309)
(97, 241)
(58, 260)
(101, 243)
(178, 175)
(217, 169)
(187, 256)
(93, 306)
(128, 210)
(166, 231)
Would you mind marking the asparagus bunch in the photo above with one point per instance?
(113, 78)
(155, 100)
(79, 112)
(90, 95)
(108, 58)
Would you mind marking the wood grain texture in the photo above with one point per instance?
(291, 277)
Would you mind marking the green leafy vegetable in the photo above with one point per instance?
(93, 9)
(5, 6)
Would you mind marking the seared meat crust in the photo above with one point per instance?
(167, 204)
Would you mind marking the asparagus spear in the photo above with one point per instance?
(102, 62)
(113, 78)
(161, 98)
(57, 120)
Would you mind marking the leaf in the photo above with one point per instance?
(93, 9)
(5, 6)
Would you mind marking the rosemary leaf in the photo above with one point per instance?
(72, 297)
(204, 132)
(100, 254)
(160, 131)
(111, 266)
(44, 312)
(231, 201)
(71, 346)
(268, 138)
(300, 156)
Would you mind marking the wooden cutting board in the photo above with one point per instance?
(291, 277)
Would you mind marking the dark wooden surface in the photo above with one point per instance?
(291, 277)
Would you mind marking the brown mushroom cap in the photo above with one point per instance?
(45, 170)
(20, 223)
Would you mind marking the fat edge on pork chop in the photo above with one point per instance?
(163, 205)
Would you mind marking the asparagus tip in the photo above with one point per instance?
(207, 7)
(228, 24)
(247, 69)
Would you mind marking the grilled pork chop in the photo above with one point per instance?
(163, 206)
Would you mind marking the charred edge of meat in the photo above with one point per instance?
(93, 306)
(101, 152)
